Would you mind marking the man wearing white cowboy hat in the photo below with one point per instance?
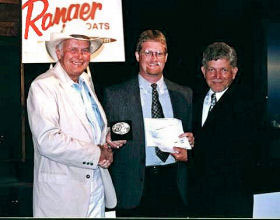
(68, 125)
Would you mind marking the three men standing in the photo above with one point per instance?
(69, 129)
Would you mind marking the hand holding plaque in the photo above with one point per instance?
(121, 130)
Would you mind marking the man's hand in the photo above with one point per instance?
(190, 137)
(180, 154)
(106, 156)
(114, 144)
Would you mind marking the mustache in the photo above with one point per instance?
(156, 63)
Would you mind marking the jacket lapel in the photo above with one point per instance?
(219, 107)
(71, 97)
(175, 104)
(100, 108)
(198, 111)
(173, 98)
(135, 100)
(176, 100)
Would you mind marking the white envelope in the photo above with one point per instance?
(164, 133)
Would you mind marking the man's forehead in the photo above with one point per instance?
(153, 43)
(224, 61)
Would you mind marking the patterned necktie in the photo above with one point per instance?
(213, 101)
(157, 113)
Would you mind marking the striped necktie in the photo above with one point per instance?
(213, 101)
(157, 113)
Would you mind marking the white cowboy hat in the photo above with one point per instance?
(56, 38)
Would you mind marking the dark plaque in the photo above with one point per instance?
(121, 130)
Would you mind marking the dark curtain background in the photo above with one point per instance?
(189, 26)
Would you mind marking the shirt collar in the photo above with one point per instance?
(146, 85)
(78, 85)
(218, 94)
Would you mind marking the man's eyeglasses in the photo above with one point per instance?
(149, 54)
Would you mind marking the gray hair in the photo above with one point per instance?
(151, 35)
(219, 50)
(59, 46)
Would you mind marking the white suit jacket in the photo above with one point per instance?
(65, 154)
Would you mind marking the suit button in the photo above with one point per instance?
(87, 163)
(88, 176)
(91, 164)
(84, 162)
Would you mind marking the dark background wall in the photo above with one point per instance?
(190, 26)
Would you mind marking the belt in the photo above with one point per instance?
(157, 170)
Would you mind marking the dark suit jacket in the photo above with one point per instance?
(223, 156)
(122, 102)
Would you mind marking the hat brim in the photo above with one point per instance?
(95, 44)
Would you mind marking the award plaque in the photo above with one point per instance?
(121, 130)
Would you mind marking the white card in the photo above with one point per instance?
(164, 133)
